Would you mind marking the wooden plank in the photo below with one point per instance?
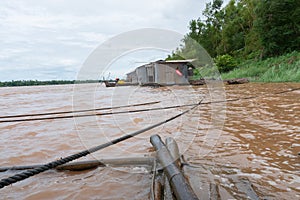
(84, 165)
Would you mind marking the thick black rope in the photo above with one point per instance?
(31, 172)
(139, 110)
(51, 165)
(94, 114)
(78, 111)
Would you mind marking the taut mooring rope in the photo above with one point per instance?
(78, 111)
(130, 111)
(93, 114)
(31, 172)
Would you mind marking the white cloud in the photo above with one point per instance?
(60, 34)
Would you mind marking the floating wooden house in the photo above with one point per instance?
(172, 72)
(132, 77)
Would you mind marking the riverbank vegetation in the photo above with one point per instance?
(36, 82)
(248, 38)
(284, 68)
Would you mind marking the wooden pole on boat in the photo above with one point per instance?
(84, 165)
(172, 146)
(115, 162)
(174, 150)
(179, 184)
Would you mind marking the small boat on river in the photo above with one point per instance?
(111, 83)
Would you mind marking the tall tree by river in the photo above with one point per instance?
(246, 29)
(278, 26)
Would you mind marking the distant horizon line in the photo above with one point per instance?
(18, 83)
(2, 81)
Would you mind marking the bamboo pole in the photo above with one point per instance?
(174, 150)
(179, 184)
(84, 165)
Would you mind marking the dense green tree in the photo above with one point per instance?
(278, 26)
(244, 29)
(233, 30)
(238, 37)
(225, 63)
(207, 32)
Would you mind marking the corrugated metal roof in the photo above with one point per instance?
(163, 61)
(180, 61)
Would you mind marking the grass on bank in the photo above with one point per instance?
(285, 68)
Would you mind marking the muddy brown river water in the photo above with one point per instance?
(257, 139)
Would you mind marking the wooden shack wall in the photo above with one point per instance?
(132, 77)
(141, 75)
(165, 74)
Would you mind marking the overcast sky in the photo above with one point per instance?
(50, 39)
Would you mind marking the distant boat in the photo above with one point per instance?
(111, 83)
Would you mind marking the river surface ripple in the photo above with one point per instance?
(259, 140)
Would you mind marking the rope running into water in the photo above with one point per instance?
(24, 175)
(94, 114)
(78, 111)
(31, 172)
(130, 111)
